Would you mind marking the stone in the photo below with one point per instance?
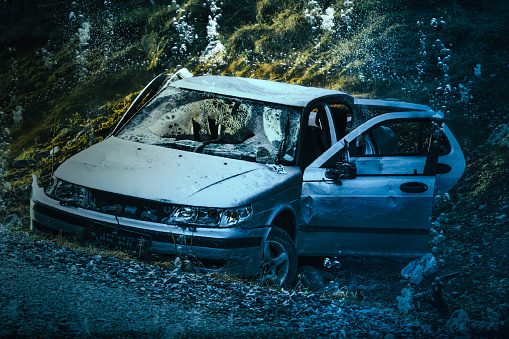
(42, 154)
(500, 136)
(72, 142)
(415, 271)
(54, 151)
(330, 288)
(310, 277)
(68, 131)
(24, 163)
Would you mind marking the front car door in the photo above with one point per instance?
(385, 210)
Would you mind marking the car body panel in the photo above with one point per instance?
(372, 213)
(359, 216)
(174, 176)
(259, 90)
(391, 104)
(238, 247)
(369, 214)
(454, 161)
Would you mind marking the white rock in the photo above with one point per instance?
(54, 151)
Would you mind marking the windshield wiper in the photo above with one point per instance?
(205, 143)
(220, 140)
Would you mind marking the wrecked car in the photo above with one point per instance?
(249, 175)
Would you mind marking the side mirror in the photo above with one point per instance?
(343, 170)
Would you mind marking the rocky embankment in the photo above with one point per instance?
(51, 290)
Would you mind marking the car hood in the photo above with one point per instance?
(163, 174)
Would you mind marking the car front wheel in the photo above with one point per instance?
(278, 264)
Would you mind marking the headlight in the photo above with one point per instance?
(67, 193)
(209, 217)
(233, 217)
(183, 215)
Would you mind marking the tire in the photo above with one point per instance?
(278, 264)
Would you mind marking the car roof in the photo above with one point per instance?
(391, 104)
(260, 90)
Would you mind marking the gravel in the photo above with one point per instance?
(50, 290)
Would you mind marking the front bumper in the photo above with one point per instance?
(240, 249)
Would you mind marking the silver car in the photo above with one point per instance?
(249, 175)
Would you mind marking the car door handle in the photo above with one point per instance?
(413, 187)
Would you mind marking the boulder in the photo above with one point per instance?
(500, 136)
(23, 163)
(310, 277)
(415, 271)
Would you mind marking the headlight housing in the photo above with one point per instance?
(135, 208)
(68, 193)
(209, 217)
(236, 216)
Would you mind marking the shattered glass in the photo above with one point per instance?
(217, 125)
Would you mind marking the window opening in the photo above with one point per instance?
(393, 138)
(217, 125)
(343, 119)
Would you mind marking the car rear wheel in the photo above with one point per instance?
(278, 264)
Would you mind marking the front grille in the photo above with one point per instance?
(129, 207)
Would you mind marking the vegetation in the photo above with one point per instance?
(69, 70)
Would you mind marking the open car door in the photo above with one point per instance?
(372, 192)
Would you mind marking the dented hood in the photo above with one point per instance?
(158, 173)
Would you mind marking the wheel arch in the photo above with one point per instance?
(285, 220)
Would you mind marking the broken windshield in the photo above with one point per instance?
(217, 125)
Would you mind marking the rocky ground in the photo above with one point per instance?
(51, 290)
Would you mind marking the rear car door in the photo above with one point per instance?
(385, 209)
(451, 164)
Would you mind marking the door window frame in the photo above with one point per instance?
(327, 159)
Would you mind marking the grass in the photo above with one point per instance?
(263, 40)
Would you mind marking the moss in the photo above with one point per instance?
(70, 143)
(267, 11)
(245, 38)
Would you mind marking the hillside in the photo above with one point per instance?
(70, 69)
